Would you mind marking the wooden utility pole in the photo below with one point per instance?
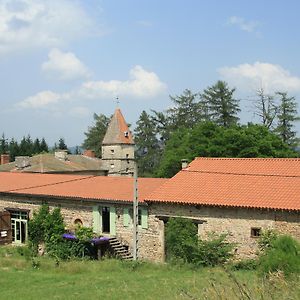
(135, 213)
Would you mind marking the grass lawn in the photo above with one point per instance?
(113, 279)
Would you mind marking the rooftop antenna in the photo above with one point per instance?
(117, 101)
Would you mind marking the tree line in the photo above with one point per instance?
(27, 146)
(207, 124)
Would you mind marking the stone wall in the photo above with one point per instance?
(237, 222)
(118, 159)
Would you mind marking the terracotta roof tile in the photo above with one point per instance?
(88, 187)
(253, 183)
(117, 131)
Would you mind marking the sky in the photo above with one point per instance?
(61, 61)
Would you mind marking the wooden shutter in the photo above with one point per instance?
(126, 217)
(96, 219)
(5, 228)
(112, 219)
(144, 218)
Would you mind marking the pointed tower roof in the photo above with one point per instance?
(117, 131)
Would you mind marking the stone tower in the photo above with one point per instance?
(118, 147)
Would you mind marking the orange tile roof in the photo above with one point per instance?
(77, 186)
(116, 130)
(252, 183)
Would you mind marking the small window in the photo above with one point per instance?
(112, 166)
(126, 133)
(78, 223)
(255, 231)
(127, 155)
(112, 151)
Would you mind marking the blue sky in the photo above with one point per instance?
(63, 60)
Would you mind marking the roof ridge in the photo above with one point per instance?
(248, 158)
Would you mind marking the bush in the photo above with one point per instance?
(181, 240)
(213, 251)
(282, 255)
(266, 240)
(183, 245)
(245, 264)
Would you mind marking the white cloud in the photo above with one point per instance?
(141, 84)
(269, 76)
(65, 66)
(37, 23)
(40, 100)
(242, 24)
(79, 111)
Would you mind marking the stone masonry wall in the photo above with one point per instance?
(237, 222)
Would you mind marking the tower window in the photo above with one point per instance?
(112, 151)
(127, 155)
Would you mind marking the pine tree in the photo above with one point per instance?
(36, 148)
(95, 134)
(3, 144)
(43, 146)
(287, 115)
(148, 149)
(187, 110)
(222, 108)
(14, 149)
(62, 145)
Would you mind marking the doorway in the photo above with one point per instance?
(19, 226)
(105, 220)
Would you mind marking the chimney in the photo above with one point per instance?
(61, 154)
(22, 162)
(184, 163)
(89, 153)
(4, 159)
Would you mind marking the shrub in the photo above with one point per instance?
(245, 264)
(182, 244)
(181, 239)
(266, 240)
(283, 255)
(213, 251)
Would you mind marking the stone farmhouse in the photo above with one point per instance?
(241, 197)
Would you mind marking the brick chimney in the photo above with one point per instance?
(4, 159)
(89, 153)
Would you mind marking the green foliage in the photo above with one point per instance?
(283, 255)
(148, 150)
(221, 106)
(25, 147)
(183, 245)
(181, 239)
(48, 227)
(210, 140)
(245, 264)
(266, 240)
(213, 251)
(62, 145)
(287, 115)
(95, 134)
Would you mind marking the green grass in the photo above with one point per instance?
(113, 279)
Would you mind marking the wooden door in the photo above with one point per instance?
(5, 228)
